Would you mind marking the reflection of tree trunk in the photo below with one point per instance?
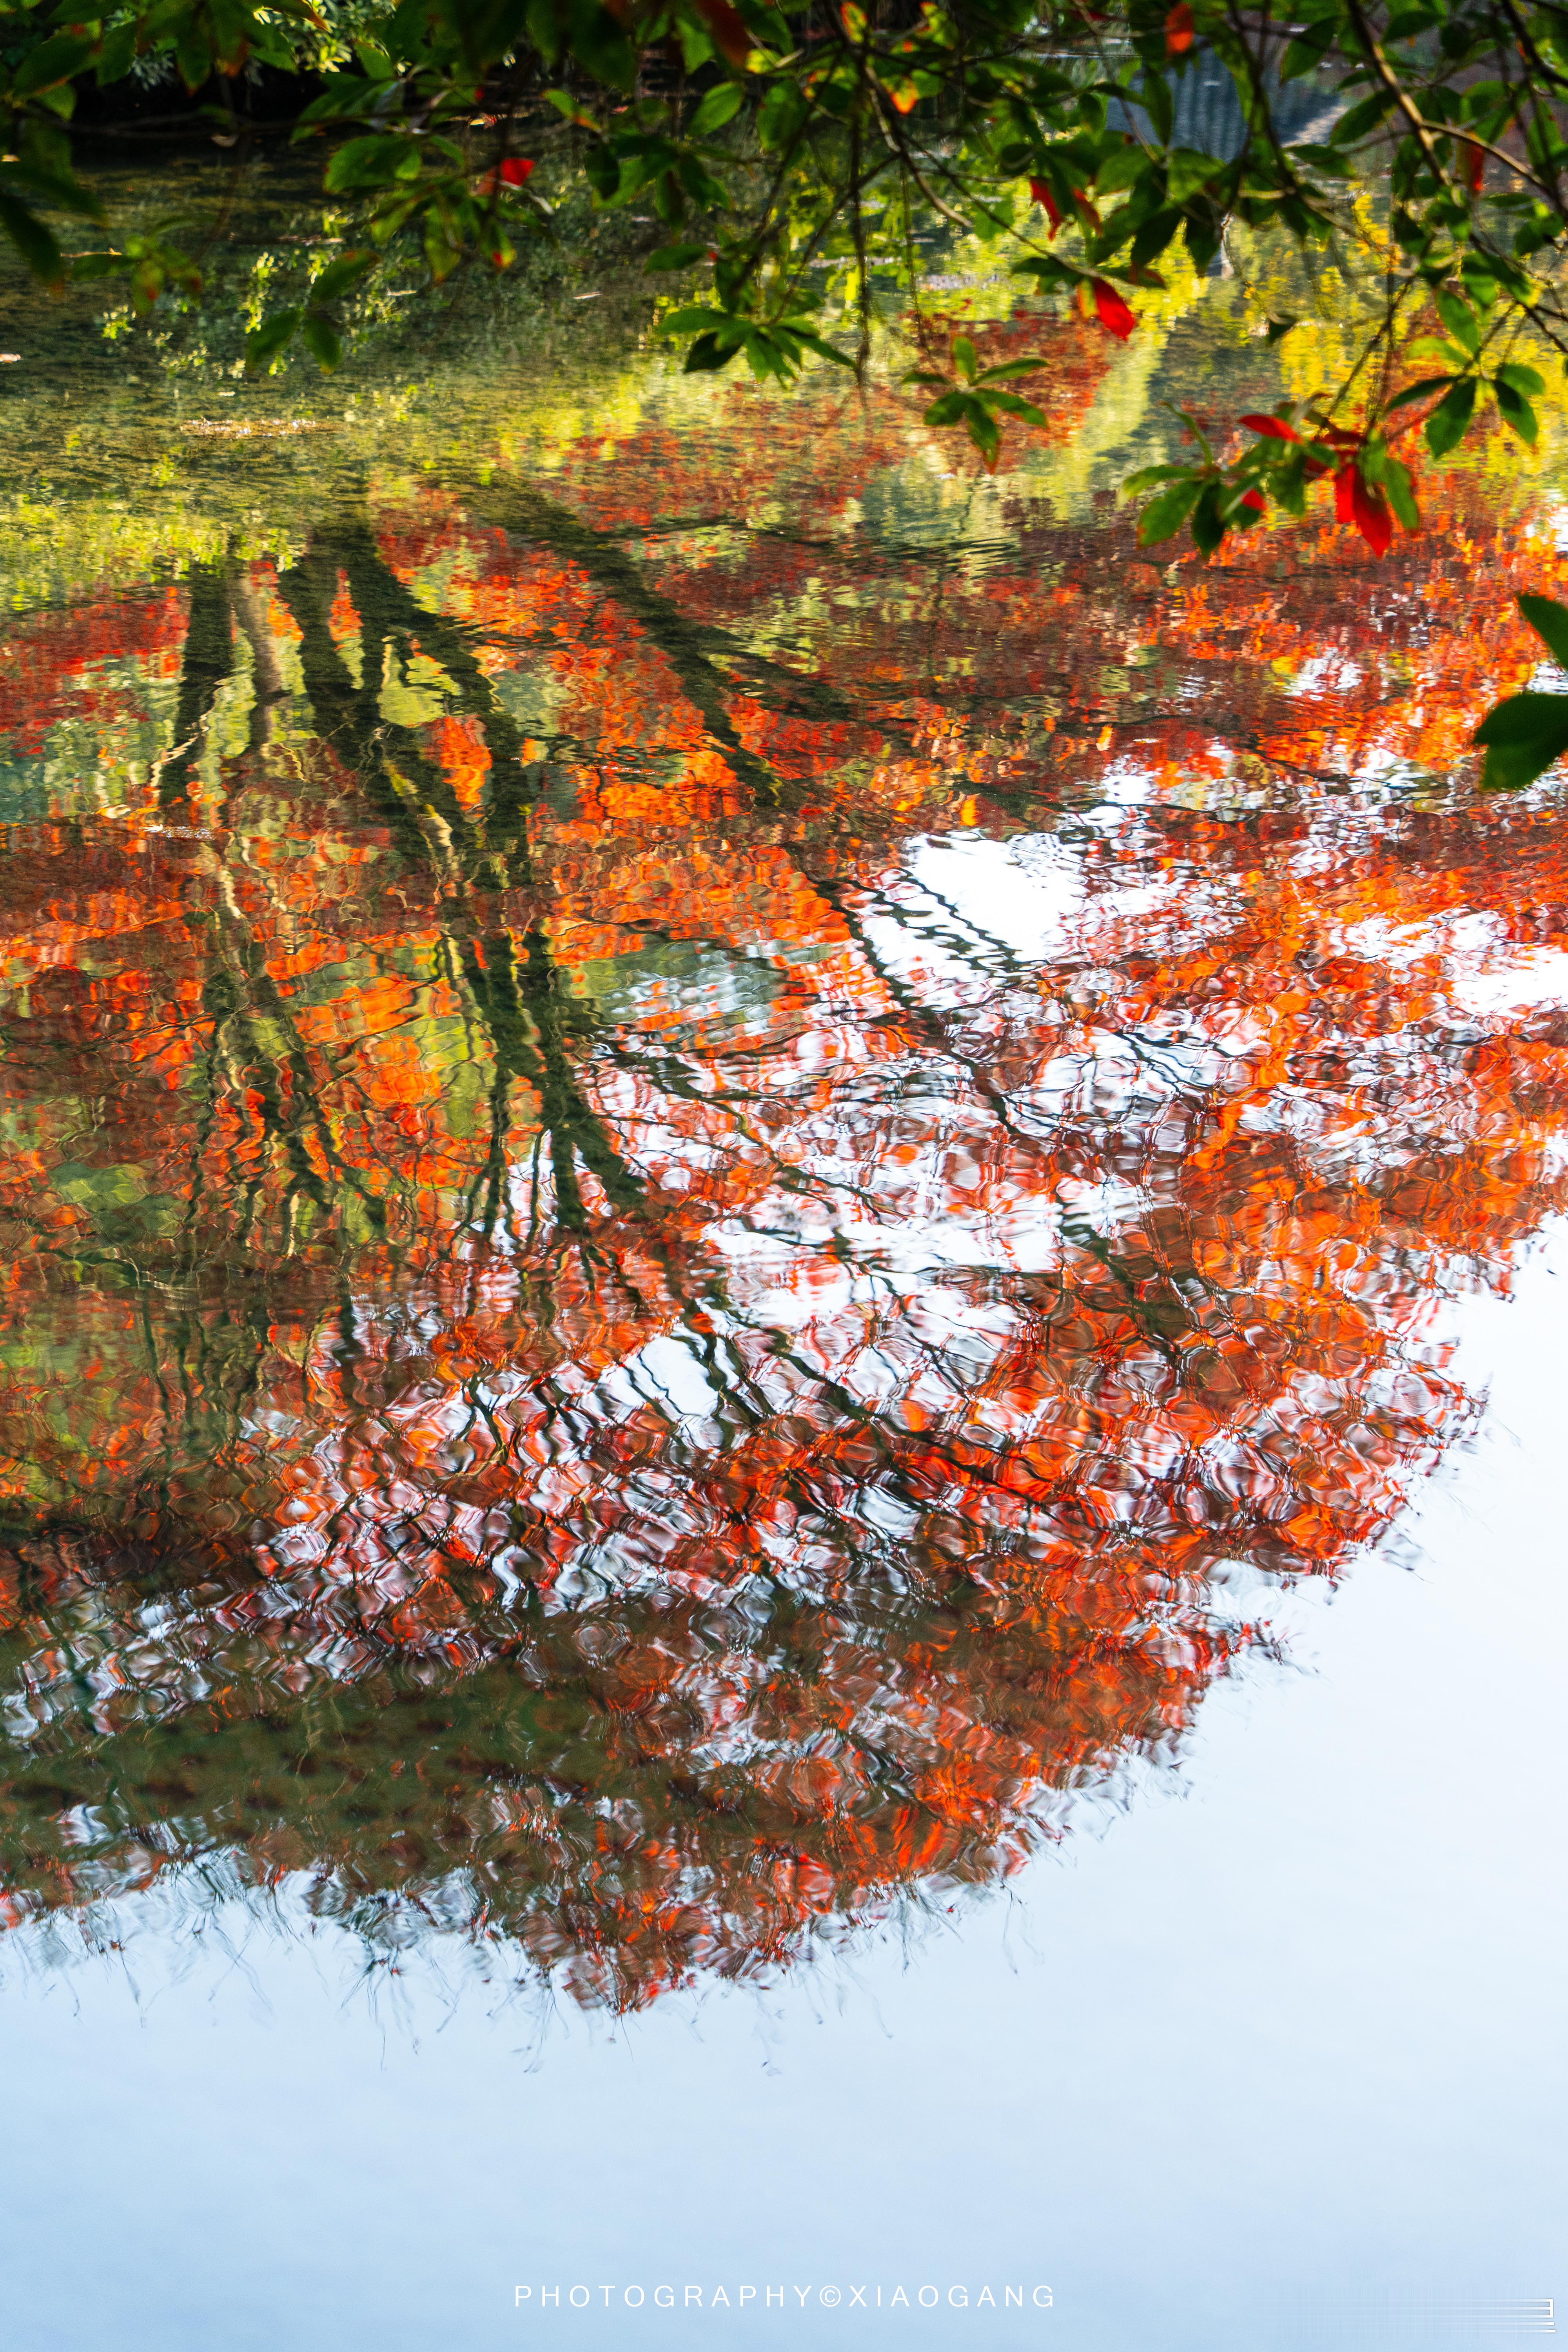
(208, 660)
(521, 1008)
(266, 677)
(383, 601)
(267, 1064)
(412, 798)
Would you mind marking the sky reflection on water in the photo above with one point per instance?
(1280, 2036)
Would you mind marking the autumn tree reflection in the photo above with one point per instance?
(603, 1346)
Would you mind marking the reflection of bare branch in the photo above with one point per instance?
(692, 649)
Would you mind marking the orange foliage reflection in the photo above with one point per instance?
(680, 1200)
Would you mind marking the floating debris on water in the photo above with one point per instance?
(260, 428)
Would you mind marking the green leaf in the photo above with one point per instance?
(783, 112)
(1202, 230)
(339, 274)
(54, 61)
(677, 256)
(565, 103)
(984, 429)
(1321, 159)
(1524, 380)
(696, 44)
(1121, 169)
(1550, 621)
(1516, 410)
(55, 187)
(548, 34)
(372, 162)
(1449, 420)
(1163, 516)
(1306, 53)
(709, 352)
(965, 358)
(1477, 274)
(1288, 481)
(1459, 318)
(1010, 404)
(345, 97)
(32, 240)
(265, 344)
(1354, 127)
(1188, 171)
(1521, 738)
(1208, 520)
(1414, 392)
(116, 55)
(1049, 270)
(1011, 368)
(720, 106)
(1155, 234)
(600, 46)
(1155, 93)
(442, 250)
(322, 341)
(820, 345)
(98, 265)
(692, 315)
(1400, 492)
(192, 56)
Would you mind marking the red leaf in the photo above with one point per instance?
(516, 169)
(728, 28)
(1274, 427)
(1472, 162)
(1373, 519)
(1113, 313)
(1256, 500)
(1344, 506)
(1040, 191)
(1357, 503)
(1179, 30)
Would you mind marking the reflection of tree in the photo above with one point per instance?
(674, 1782)
(645, 1460)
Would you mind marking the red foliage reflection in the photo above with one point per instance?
(664, 1249)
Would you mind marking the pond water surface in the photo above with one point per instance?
(735, 1171)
